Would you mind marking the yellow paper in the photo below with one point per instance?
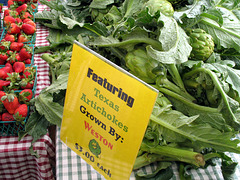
(106, 113)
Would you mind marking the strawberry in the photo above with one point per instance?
(10, 102)
(14, 29)
(4, 45)
(13, 57)
(6, 12)
(4, 83)
(18, 20)
(10, 37)
(25, 53)
(29, 73)
(21, 112)
(22, 8)
(26, 83)
(19, 67)
(2, 93)
(10, 67)
(28, 61)
(8, 20)
(25, 15)
(16, 46)
(28, 29)
(29, 21)
(10, 3)
(14, 78)
(22, 37)
(1, 7)
(3, 56)
(7, 117)
(10, 12)
(25, 95)
(4, 72)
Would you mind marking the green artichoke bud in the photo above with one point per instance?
(202, 44)
(163, 6)
(141, 65)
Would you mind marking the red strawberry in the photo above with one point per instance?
(19, 67)
(16, 46)
(29, 73)
(13, 56)
(14, 29)
(10, 12)
(25, 15)
(28, 29)
(29, 21)
(10, 3)
(3, 72)
(25, 53)
(4, 83)
(28, 61)
(18, 20)
(1, 6)
(25, 95)
(3, 56)
(6, 12)
(22, 37)
(8, 20)
(10, 37)
(21, 112)
(4, 45)
(22, 8)
(10, 67)
(10, 102)
(2, 93)
(26, 84)
(7, 117)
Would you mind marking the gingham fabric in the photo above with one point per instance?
(16, 162)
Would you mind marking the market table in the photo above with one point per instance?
(69, 166)
(16, 162)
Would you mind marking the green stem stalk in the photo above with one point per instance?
(187, 102)
(155, 44)
(178, 154)
(147, 159)
(178, 80)
(217, 85)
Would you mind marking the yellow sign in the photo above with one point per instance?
(106, 113)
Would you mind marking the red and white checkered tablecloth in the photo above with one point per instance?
(16, 162)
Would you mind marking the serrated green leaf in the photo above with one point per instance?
(177, 51)
(69, 21)
(52, 111)
(59, 84)
(101, 4)
(202, 136)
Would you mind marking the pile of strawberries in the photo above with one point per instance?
(14, 106)
(17, 73)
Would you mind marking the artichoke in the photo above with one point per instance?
(162, 6)
(141, 65)
(202, 44)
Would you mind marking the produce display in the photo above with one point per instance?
(187, 49)
(18, 75)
